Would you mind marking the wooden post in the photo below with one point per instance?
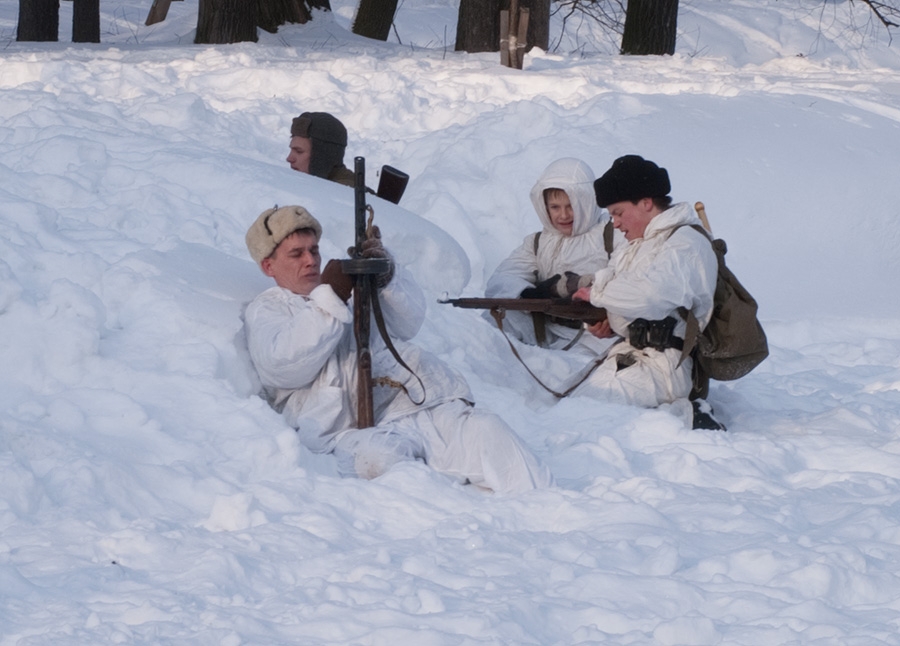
(158, 12)
(512, 38)
(522, 39)
(504, 38)
(513, 35)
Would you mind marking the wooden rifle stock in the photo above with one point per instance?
(701, 213)
(363, 271)
(563, 308)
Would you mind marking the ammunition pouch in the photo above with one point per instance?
(658, 335)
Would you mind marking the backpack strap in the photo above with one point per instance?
(691, 332)
(692, 329)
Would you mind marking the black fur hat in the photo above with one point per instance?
(329, 140)
(631, 178)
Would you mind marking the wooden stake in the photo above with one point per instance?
(504, 38)
(158, 12)
(524, 14)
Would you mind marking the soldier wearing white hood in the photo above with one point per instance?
(575, 241)
(301, 342)
(666, 266)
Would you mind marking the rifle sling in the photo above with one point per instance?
(498, 314)
(382, 329)
(571, 344)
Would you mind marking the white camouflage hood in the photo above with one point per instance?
(577, 179)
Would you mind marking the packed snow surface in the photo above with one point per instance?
(148, 495)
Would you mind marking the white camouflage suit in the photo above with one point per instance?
(583, 252)
(650, 278)
(304, 351)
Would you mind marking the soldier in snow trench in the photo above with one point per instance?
(666, 266)
(301, 342)
(318, 142)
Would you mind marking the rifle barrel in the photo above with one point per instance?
(556, 307)
(360, 202)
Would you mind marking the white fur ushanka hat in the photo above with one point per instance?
(274, 225)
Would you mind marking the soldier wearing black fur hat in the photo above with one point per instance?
(318, 142)
(666, 268)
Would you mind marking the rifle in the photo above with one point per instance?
(364, 271)
(563, 308)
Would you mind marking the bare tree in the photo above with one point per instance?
(538, 23)
(650, 27)
(232, 21)
(86, 21)
(226, 21)
(38, 21)
(274, 13)
(478, 24)
(374, 18)
(886, 12)
(607, 13)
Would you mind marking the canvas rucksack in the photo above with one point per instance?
(733, 342)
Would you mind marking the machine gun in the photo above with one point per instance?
(364, 272)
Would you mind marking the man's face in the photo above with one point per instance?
(301, 150)
(630, 218)
(295, 263)
(559, 208)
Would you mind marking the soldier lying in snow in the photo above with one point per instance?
(301, 342)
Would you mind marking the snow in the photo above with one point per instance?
(149, 496)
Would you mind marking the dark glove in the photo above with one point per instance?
(372, 248)
(341, 283)
(544, 289)
(572, 282)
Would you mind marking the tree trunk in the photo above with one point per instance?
(226, 21)
(478, 26)
(650, 27)
(538, 23)
(38, 21)
(374, 18)
(274, 13)
(86, 21)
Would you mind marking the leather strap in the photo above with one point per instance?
(498, 314)
(382, 329)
